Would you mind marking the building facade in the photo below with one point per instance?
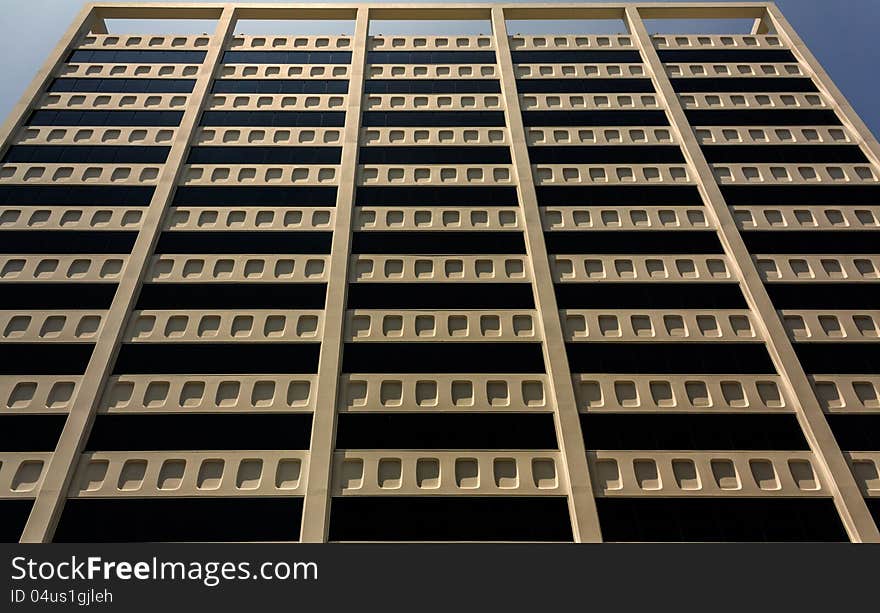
(497, 287)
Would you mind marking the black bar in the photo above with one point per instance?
(132, 520)
(66, 241)
(231, 241)
(579, 86)
(719, 520)
(440, 296)
(669, 358)
(448, 518)
(743, 84)
(606, 154)
(438, 242)
(434, 155)
(217, 358)
(650, 296)
(428, 357)
(445, 431)
(198, 431)
(633, 241)
(626, 431)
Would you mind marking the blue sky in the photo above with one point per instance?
(842, 34)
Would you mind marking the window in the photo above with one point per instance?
(434, 155)
(129, 86)
(77, 195)
(286, 119)
(430, 57)
(595, 118)
(577, 57)
(287, 57)
(133, 56)
(726, 55)
(97, 154)
(432, 118)
(432, 86)
(744, 84)
(578, 86)
(255, 195)
(227, 154)
(610, 154)
(279, 86)
(105, 118)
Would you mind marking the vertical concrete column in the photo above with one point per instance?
(316, 505)
(581, 502)
(53, 493)
(836, 472)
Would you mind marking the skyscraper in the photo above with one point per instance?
(574, 287)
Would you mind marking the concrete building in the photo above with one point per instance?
(585, 288)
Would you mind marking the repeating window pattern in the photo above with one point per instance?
(548, 307)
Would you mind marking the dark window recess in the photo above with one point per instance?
(874, 508)
(105, 118)
(435, 196)
(778, 195)
(633, 241)
(279, 86)
(594, 118)
(286, 57)
(766, 117)
(434, 155)
(445, 431)
(22, 433)
(611, 154)
(812, 241)
(66, 241)
(229, 241)
(60, 296)
(726, 55)
(430, 57)
(577, 57)
(14, 514)
(232, 296)
(200, 431)
(824, 295)
(719, 519)
(650, 296)
(669, 358)
(372, 119)
(770, 432)
(613, 195)
(77, 195)
(439, 242)
(856, 432)
(217, 358)
(440, 296)
(122, 520)
(784, 153)
(96, 154)
(128, 86)
(444, 357)
(280, 119)
(432, 86)
(577, 86)
(744, 84)
(839, 358)
(226, 154)
(253, 195)
(135, 56)
(449, 518)
(45, 358)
